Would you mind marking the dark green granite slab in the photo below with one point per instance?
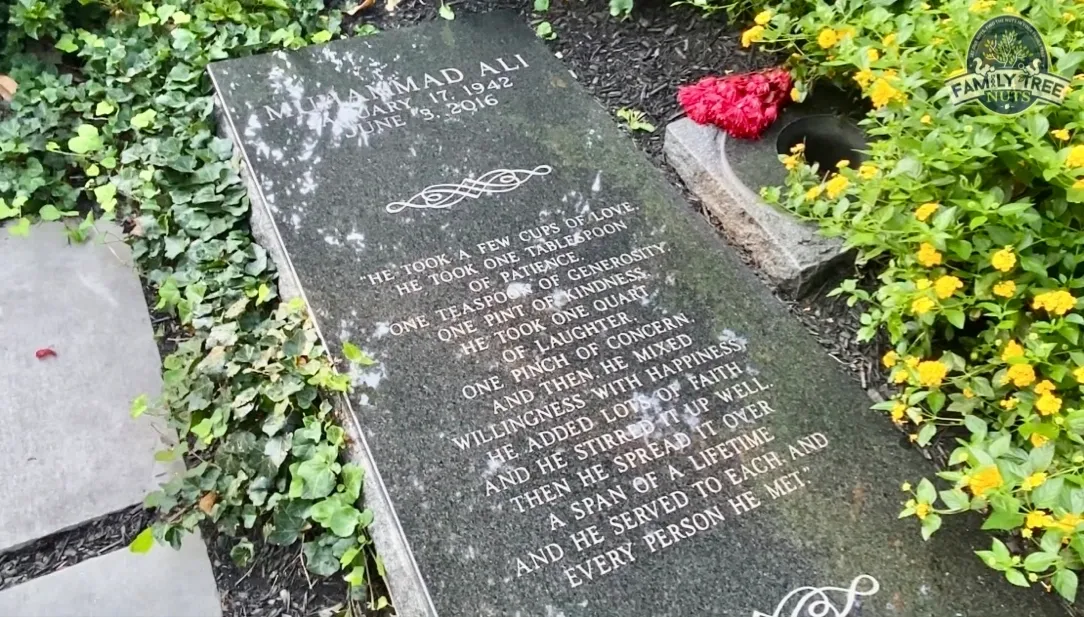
(518, 490)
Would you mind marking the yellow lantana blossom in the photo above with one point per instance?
(969, 393)
(867, 171)
(1037, 519)
(945, 286)
(891, 358)
(900, 376)
(864, 78)
(1044, 387)
(1012, 350)
(926, 210)
(923, 284)
(1078, 374)
(827, 38)
(1033, 481)
(898, 412)
(922, 510)
(931, 373)
(763, 17)
(889, 40)
(796, 95)
(1079, 184)
(1009, 403)
(922, 305)
(1003, 260)
(814, 192)
(752, 35)
(1057, 302)
(981, 6)
(1067, 523)
(911, 361)
(1048, 404)
(873, 55)
(1021, 375)
(928, 255)
(1005, 289)
(791, 161)
(1038, 440)
(926, 119)
(836, 186)
(1061, 134)
(1076, 157)
(985, 480)
(884, 93)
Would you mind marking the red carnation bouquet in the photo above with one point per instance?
(743, 105)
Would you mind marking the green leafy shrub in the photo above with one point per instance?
(117, 124)
(975, 225)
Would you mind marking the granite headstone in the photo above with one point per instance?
(584, 405)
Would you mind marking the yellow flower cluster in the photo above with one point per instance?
(814, 192)
(836, 186)
(1003, 260)
(867, 171)
(763, 17)
(928, 255)
(827, 38)
(1061, 134)
(1005, 289)
(883, 92)
(985, 480)
(891, 358)
(791, 161)
(945, 286)
(926, 210)
(981, 6)
(922, 305)
(752, 35)
(1011, 350)
(931, 373)
(898, 412)
(1078, 374)
(1076, 157)
(1057, 302)
(1021, 375)
(864, 78)
(1048, 404)
(1044, 387)
(1039, 519)
(1033, 481)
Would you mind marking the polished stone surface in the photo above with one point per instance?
(71, 450)
(678, 502)
(161, 583)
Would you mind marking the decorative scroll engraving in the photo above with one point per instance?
(818, 601)
(441, 196)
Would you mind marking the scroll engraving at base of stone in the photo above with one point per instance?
(821, 601)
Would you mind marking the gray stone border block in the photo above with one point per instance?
(161, 583)
(789, 252)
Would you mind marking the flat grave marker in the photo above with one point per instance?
(584, 404)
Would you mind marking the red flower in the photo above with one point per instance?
(45, 352)
(743, 105)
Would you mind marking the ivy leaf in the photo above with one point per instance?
(86, 140)
(147, 19)
(322, 36)
(242, 552)
(337, 515)
(49, 212)
(143, 542)
(288, 521)
(620, 8)
(352, 476)
(20, 227)
(354, 354)
(541, 6)
(66, 43)
(446, 12)
(106, 196)
(320, 558)
(143, 119)
(139, 406)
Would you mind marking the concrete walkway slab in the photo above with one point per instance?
(70, 450)
(161, 583)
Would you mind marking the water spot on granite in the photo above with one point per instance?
(596, 186)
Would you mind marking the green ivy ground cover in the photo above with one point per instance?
(113, 120)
